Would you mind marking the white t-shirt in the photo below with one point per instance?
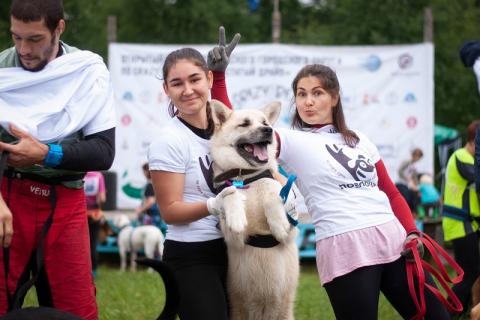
(178, 149)
(339, 183)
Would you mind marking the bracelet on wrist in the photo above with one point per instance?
(54, 155)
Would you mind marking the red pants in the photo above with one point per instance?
(67, 283)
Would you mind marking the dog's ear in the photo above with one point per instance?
(220, 112)
(272, 111)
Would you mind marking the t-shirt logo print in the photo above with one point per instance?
(207, 171)
(359, 168)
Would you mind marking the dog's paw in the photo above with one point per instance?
(235, 216)
(280, 229)
(236, 220)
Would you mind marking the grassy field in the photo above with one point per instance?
(140, 296)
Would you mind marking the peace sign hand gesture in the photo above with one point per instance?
(219, 57)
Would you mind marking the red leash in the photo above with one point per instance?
(415, 269)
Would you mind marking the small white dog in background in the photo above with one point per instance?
(131, 239)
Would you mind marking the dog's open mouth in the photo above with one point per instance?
(257, 151)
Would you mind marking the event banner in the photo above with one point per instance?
(386, 91)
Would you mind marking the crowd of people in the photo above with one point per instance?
(52, 190)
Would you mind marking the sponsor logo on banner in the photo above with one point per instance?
(161, 97)
(391, 98)
(385, 123)
(127, 96)
(405, 61)
(372, 63)
(410, 98)
(145, 97)
(126, 120)
(370, 99)
(412, 122)
(386, 151)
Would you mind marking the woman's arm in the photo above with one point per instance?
(219, 89)
(168, 188)
(397, 202)
(147, 204)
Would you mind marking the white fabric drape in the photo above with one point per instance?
(68, 95)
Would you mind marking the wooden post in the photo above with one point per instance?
(428, 25)
(276, 22)
(112, 29)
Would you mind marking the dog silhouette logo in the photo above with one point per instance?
(207, 171)
(360, 168)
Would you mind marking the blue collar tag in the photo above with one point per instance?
(237, 183)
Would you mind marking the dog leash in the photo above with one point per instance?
(284, 195)
(416, 269)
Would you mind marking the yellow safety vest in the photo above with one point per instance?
(460, 206)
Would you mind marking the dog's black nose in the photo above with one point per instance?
(267, 130)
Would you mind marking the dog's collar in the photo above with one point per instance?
(233, 173)
(243, 182)
(262, 241)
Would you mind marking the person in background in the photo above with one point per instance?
(408, 180)
(470, 56)
(461, 213)
(57, 123)
(148, 212)
(429, 195)
(95, 195)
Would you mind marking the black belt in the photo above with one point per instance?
(13, 174)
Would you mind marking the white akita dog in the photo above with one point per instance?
(263, 257)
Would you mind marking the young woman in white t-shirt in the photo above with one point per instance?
(361, 220)
(181, 173)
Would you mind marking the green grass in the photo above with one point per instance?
(140, 296)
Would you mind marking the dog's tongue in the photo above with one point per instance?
(260, 152)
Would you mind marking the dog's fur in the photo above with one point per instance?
(261, 281)
(131, 239)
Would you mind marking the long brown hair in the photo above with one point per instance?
(330, 83)
(190, 54)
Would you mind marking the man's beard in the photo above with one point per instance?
(39, 67)
(44, 62)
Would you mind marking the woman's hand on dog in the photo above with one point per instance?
(215, 204)
(6, 228)
(219, 57)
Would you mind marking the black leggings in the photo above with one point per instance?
(356, 294)
(467, 256)
(200, 269)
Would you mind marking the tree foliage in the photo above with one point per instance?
(322, 22)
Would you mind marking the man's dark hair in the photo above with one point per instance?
(472, 129)
(35, 10)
